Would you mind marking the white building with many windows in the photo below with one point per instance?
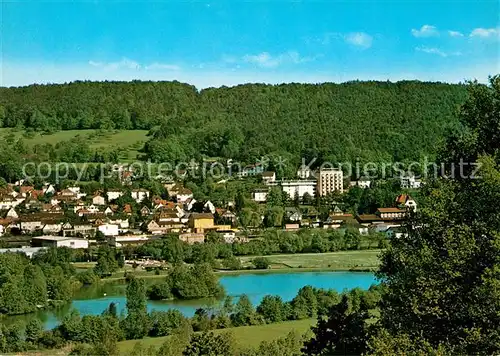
(299, 188)
(330, 180)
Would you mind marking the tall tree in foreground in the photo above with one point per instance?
(137, 324)
(443, 281)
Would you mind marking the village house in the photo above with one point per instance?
(225, 215)
(157, 228)
(123, 224)
(260, 195)
(409, 182)
(168, 215)
(49, 208)
(49, 189)
(29, 224)
(33, 204)
(139, 194)
(25, 189)
(52, 228)
(268, 177)
(200, 222)
(11, 213)
(98, 200)
(391, 213)
(183, 195)
(293, 214)
(229, 235)
(7, 202)
(79, 229)
(109, 229)
(336, 220)
(114, 194)
(369, 219)
(298, 188)
(108, 211)
(405, 201)
(145, 211)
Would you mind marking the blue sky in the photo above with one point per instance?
(214, 43)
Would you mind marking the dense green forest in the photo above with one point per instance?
(376, 121)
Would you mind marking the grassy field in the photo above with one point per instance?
(245, 336)
(128, 141)
(340, 261)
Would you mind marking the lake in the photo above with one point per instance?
(95, 299)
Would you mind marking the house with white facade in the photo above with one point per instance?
(260, 195)
(114, 194)
(98, 200)
(299, 188)
(52, 228)
(409, 182)
(268, 177)
(139, 194)
(109, 229)
(12, 214)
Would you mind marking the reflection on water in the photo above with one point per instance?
(95, 299)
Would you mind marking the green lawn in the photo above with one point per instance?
(342, 260)
(129, 141)
(245, 336)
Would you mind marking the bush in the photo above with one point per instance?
(232, 263)
(261, 263)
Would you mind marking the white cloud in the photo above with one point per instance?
(124, 63)
(437, 51)
(266, 60)
(485, 32)
(359, 39)
(157, 65)
(425, 31)
(455, 34)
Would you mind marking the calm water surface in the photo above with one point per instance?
(94, 300)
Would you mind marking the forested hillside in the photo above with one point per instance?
(337, 122)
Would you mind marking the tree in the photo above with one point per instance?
(274, 216)
(342, 333)
(272, 309)
(305, 304)
(209, 344)
(34, 331)
(442, 280)
(136, 325)
(261, 263)
(244, 313)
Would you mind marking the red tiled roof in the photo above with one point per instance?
(26, 188)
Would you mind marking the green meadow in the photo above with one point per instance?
(128, 141)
